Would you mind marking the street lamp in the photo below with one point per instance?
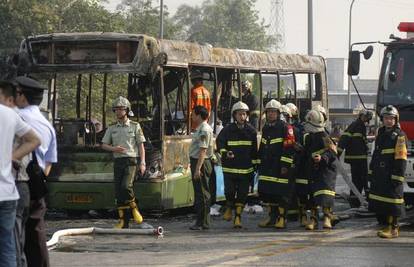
(349, 50)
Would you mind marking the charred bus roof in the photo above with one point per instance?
(121, 52)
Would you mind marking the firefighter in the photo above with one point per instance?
(387, 168)
(252, 102)
(237, 144)
(126, 140)
(275, 168)
(354, 142)
(321, 160)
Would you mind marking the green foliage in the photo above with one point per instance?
(224, 23)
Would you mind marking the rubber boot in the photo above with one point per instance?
(228, 213)
(281, 219)
(311, 221)
(391, 230)
(327, 216)
(302, 216)
(123, 219)
(135, 212)
(271, 219)
(237, 218)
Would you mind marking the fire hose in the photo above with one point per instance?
(51, 244)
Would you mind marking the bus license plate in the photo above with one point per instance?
(79, 198)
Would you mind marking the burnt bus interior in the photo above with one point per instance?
(79, 101)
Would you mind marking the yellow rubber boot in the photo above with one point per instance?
(327, 218)
(228, 214)
(271, 219)
(281, 219)
(237, 218)
(311, 223)
(391, 230)
(123, 219)
(135, 212)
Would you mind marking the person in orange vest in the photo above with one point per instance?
(200, 96)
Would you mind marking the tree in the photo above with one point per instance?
(224, 23)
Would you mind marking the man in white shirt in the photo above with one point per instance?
(29, 95)
(11, 125)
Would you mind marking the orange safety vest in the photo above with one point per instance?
(200, 96)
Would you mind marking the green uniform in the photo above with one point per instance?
(202, 138)
(128, 135)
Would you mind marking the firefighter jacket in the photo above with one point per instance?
(243, 143)
(299, 175)
(322, 175)
(200, 96)
(387, 169)
(275, 152)
(354, 142)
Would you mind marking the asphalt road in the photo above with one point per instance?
(353, 242)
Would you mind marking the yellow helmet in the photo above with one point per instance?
(293, 109)
(239, 106)
(315, 118)
(273, 104)
(286, 110)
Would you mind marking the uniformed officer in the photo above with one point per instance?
(252, 102)
(321, 160)
(354, 142)
(126, 140)
(275, 168)
(201, 151)
(387, 169)
(237, 144)
(29, 95)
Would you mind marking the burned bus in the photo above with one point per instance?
(85, 71)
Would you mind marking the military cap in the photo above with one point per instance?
(28, 84)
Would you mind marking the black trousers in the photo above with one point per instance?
(35, 246)
(22, 214)
(359, 172)
(236, 188)
(202, 192)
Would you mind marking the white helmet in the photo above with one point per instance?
(390, 111)
(246, 84)
(315, 118)
(239, 106)
(273, 104)
(293, 109)
(286, 110)
(321, 110)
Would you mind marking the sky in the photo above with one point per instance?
(372, 20)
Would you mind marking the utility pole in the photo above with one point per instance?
(161, 19)
(349, 50)
(310, 27)
(277, 25)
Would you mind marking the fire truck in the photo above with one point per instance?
(395, 87)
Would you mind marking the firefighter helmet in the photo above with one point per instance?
(246, 84)
(367, 113)
(239, 106)
(121, 102)
(322, 110)
(286, 110)
(293, 109)
(273, 104)
(315, 118)
(390, 111)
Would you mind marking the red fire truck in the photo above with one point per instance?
(396, 87)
